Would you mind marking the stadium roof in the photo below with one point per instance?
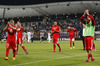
(31, 2)
(48, 9)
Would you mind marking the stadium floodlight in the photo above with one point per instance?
(67, 4)
(46, 6)
(75, 15)
(47, 15)
(96, 3)
(94, 12)
(23, 8)
(69, 14)
(8, 8)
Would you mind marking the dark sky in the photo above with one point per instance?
(29, 2)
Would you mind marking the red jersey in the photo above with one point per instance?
(71, 32)
(11, 40)
(55, 34)
(11, 33)
(20, 32)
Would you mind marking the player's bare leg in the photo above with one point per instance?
(7, 53)
(24, 49)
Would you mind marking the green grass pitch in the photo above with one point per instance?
(40, 54)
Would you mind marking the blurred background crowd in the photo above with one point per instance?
(44, 24)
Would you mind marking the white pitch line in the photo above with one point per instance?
(47, 60)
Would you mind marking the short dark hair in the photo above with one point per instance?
(11, 20)
(19, 21)
(55, 21)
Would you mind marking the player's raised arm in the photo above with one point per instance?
(90, 17)
(11, 24)
(68, 30)
(12, 27)
(5, 29)
(75, 29)
(82, 18)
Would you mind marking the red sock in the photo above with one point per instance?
(7, 52)
(70, 43)
(14, 53)
(73, 43)
(54, 47)
(17, 49)
(88, 56)
(24, 49)
(91, 56)
(58, 46)
(93, 46)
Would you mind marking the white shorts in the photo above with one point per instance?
(73, 39)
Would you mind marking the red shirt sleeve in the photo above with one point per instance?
(68, 30)
(93, 21)
(75, 29)
(82, 19)
(59, 28)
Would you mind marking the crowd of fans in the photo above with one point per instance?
(63, 21)
(39, 26)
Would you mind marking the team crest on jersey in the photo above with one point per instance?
(11, 30)
(55, 28)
